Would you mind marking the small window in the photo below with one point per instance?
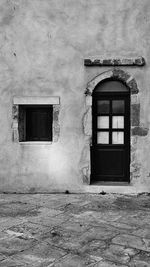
(35, 123)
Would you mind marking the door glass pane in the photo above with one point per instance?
(103, 122)
(118, 122)
(102, 137)
(103, 106)
(118, 138)
(118, 106)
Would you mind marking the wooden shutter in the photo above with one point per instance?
(39, 124)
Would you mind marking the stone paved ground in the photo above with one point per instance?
(74, 230)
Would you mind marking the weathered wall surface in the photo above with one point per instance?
(42, 47)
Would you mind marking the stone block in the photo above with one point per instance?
(133, 86)
(15, 112)
(88, 100)
(56, 125)
(87, 122)
(135, 114)
(139, 61)
(134, 99)
(119, 253)
(120, 74)
(36, 100)
(140, 131)
(131, 241)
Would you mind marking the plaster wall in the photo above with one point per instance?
(42, 49)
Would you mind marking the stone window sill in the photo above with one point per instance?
(35, 143)
(111, 184)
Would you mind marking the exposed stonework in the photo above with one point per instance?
(21, 124)
(56, 125)
(132, 85)
(140, 131)
(139, 61)
(15, 136)
(85, 172)
(135, 114)
(135, 99)
(134, 164)
(15, 112)
(87, 121)
(117, 74)
(84, 166)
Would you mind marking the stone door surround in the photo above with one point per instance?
(136, 128)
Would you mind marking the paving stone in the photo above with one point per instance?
(119, 254)
(77, 261)
(9, 221)
(136, 263)
(75, 226)
(28, 230)
(2, 257)
(145, 233)
(50, 212)
(110, 215)
(123, 226)
(74, 230)
(98, 233)
(56, 201)
(17, 209)
(93, 248)
(47, 221)
(137, 219)
(132, 241)
(108, 264)
(67, 241)
(142, 259)
(10, 245)
(41, 254)
(74, 242)
(95, 218)
(12, 263)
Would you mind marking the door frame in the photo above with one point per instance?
(111, 96)
(130, 82)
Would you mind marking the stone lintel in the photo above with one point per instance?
(139, 61)
(36, 100)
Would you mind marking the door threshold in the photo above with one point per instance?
(111, 183)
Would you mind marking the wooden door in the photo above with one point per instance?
(110, 151)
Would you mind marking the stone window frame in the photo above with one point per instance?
(36, 100)
(136, 128)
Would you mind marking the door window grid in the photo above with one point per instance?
(118, 106)
(103, 106)
(103, 137)
(115, 135)
(103, 122)
(118, 122)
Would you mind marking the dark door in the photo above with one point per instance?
(110, 151)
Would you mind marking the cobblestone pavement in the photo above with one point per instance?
(74, 230)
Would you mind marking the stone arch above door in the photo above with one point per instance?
(116, 74)
(130, 82)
